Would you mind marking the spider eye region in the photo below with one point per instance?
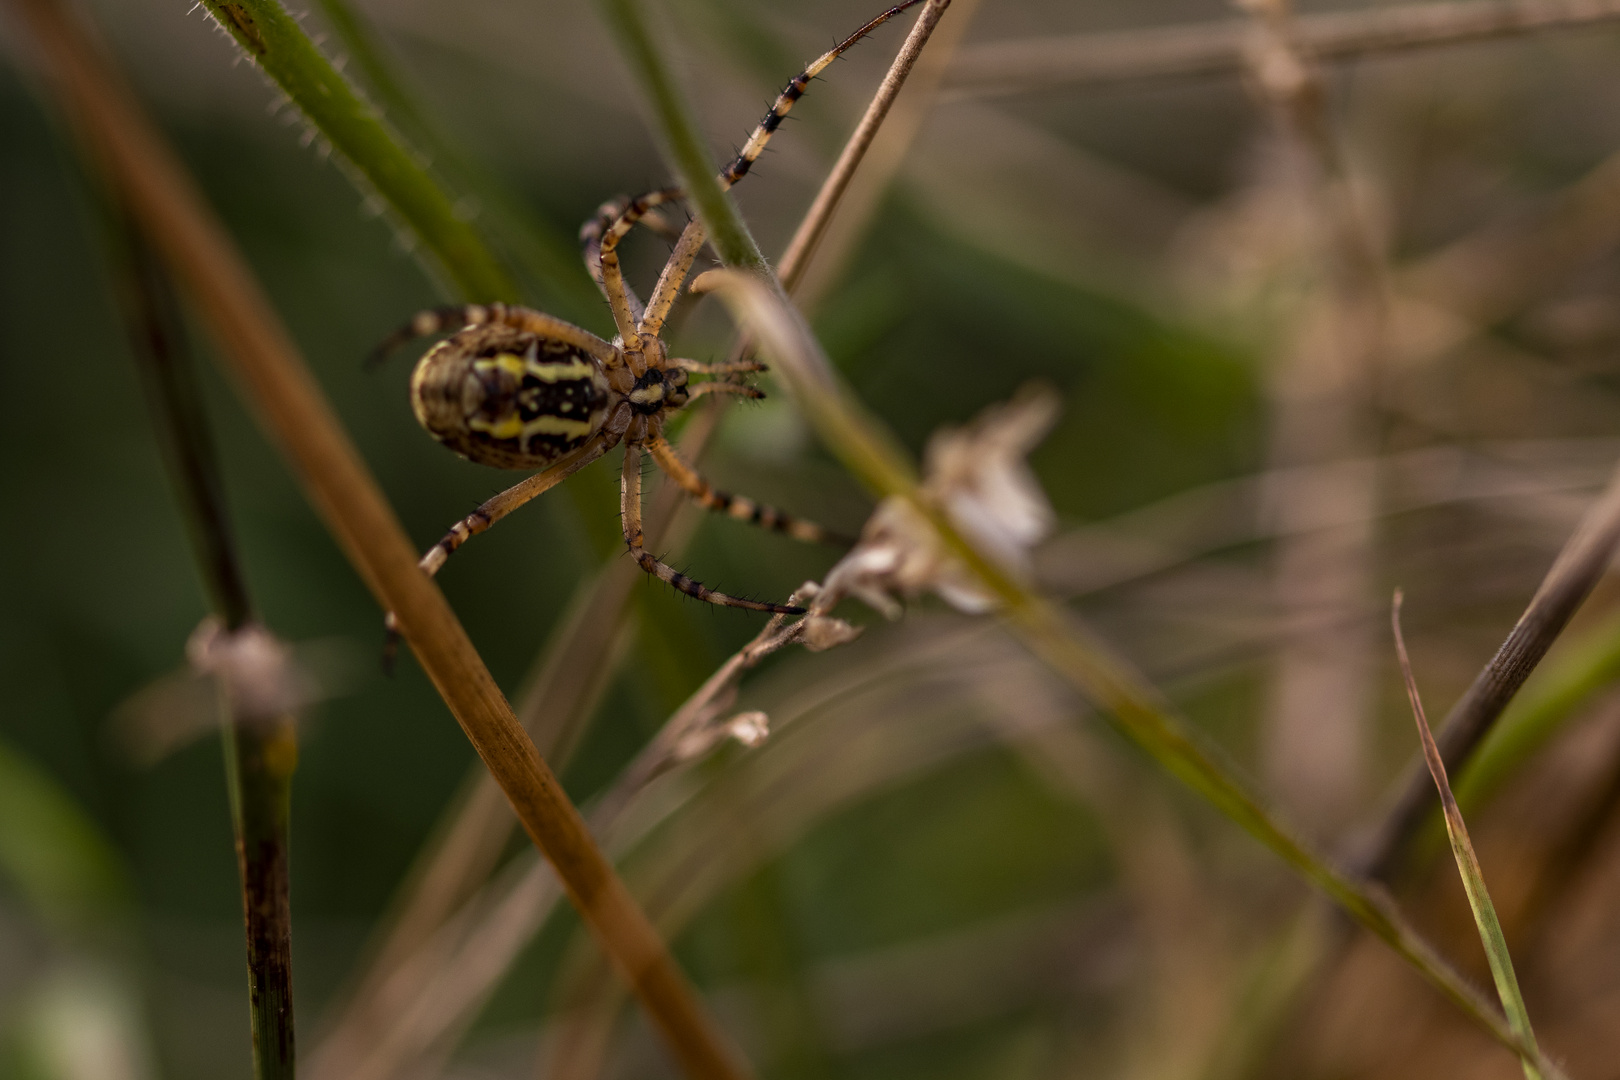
(658, 390)
(508, 399)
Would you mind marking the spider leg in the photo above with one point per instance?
(722, 387)
(613, 276)
(710, 497)
(439, 320)
(668, 289)
(590, 242)
(494, 509)
(741, 367)
(794, 90)
(630, 506)
(691, 242)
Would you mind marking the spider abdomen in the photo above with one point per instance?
(509, 398)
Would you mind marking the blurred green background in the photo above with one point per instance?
(1105, 240)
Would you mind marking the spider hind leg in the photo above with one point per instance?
(433, 321)
(740, 507)
(488, 513)
(634, 539)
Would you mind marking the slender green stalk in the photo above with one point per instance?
(259, 757)
(838, 413)
(1473, 877)
(549, 258)
(1134, 707)
(275, 41)
(675, 122)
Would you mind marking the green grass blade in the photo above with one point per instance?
(1473, 878)
(275, 41)
(547, 258)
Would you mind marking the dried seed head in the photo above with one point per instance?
(978, 476)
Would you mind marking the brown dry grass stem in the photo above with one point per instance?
(415, 1006)
(578, 659)
(261, 751)
(1574, 573)
(574, 669)
(1028, 65)
(279, 388)
(796, 259)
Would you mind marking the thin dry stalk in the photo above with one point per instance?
(1323, 390)
(819, 252)
(814, 226)
(1569, 581)
(800, 254)
(418, 1004)
(134, 157)
(465, 848)
(1025, 65)
(684, 734)
(863, 738)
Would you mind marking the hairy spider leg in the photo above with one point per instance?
(723, 387)
(710, 497)
(590, 242)
(613, 275)
(630, 510)
(740, 367)
(496, 507)
(691, 242)
(458, 317)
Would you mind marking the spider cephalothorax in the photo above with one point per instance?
(519, 389)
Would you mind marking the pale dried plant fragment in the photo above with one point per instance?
(979, 477)
(258, 677)
(258, 674)
(748, 728)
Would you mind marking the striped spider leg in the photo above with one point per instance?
(518, 389)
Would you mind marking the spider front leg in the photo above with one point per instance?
(740, 367)
(630, 509)
(494, 509)
(624, 316)
(723, 387)
(590, 242)
(710, 497)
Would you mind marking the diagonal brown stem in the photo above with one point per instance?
(577, 662)
(134, 158)
(1570, 580)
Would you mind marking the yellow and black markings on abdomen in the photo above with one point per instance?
(510, 399)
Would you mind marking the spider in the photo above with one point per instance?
(515, 388)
